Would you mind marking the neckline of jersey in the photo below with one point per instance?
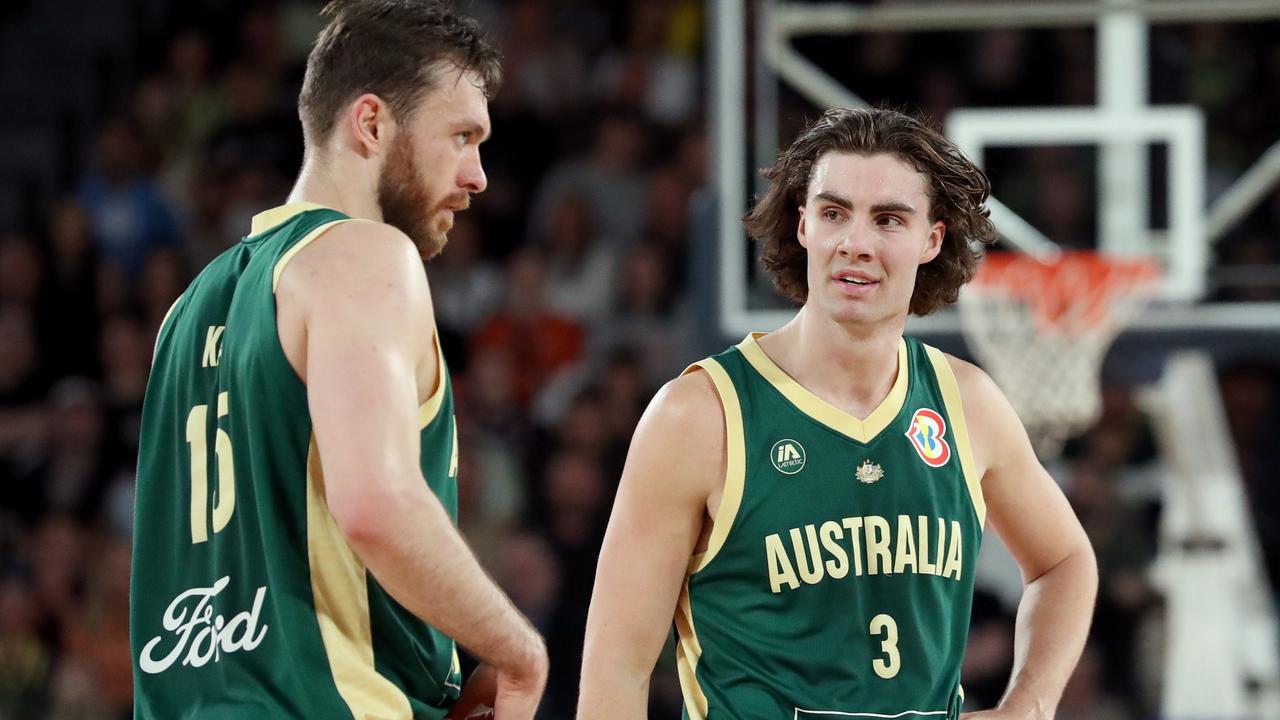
(862, 430)
(276, 216)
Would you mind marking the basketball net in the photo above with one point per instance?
(1042, 327)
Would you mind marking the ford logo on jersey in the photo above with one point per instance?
(202, 634)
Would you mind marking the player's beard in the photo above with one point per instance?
(406, 205)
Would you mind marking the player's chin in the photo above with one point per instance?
(432, 244)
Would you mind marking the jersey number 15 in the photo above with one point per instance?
(225, 499)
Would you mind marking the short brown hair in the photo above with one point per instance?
(957, 189)
(391, 48)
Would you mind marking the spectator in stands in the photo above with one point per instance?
(467, 289)
(1124, 542)
(989, 656)
(581, 266)
(543, 73)
(96, 673)
(125, 353)
(538, 340)
(609, 178)
(1085, 697)
(655, 70)
(576, 501)
(69, 473)
(530, 574)
(163, 277)
(648, 316)
(128, 214)
(22, 387)
(667, 221)
(26, 661)
(69, 320)
(21, 271)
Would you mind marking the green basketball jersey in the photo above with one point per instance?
(246, 601)
(838, 577)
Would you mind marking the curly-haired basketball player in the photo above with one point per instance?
(295, 549)
(808, 504)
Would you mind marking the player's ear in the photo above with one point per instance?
(800, 229)
(370, 123)
(936, 234)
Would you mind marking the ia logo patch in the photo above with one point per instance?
(787, 456)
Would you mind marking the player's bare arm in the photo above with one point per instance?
(1032, 517)
(357, 303)
(670, 487)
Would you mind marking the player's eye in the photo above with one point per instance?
(463, 137)
(890, 220)
(831, 214)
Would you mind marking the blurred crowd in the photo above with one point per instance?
(563, 301)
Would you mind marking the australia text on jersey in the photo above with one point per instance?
(204, 635)
(818, 552)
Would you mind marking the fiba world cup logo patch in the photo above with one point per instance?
(926, 434)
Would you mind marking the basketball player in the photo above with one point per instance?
(808, 504)
(295, 549)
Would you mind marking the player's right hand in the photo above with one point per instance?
(520, 688)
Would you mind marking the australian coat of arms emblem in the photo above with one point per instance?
(869, 472)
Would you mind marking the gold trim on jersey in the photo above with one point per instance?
(688, 649)
(298, 247)
(430, 407)
(160, 330)
(268, 219)
(341, 595)
(265, 220)
(864, 431)
(736, 464)
(688, 652)
(959, 429)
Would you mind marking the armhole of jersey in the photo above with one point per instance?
(959, 429)
(298, 246)
(428, 410)
(735, 465)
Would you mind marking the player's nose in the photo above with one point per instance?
(471, 175)
(856, 242)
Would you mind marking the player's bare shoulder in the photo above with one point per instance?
(689, 399)
(355, 255)
(994, 425)
(358, 278)
(976, 386)
(681, 437)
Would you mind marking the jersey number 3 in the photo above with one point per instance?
(225, 500)
(890, 665)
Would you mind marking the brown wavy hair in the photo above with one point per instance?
(957, 189)
(394, 49)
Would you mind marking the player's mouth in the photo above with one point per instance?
(449, 210)
(853, 282)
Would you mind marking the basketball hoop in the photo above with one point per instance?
(1042, 327)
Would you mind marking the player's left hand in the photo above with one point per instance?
(478, 693)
